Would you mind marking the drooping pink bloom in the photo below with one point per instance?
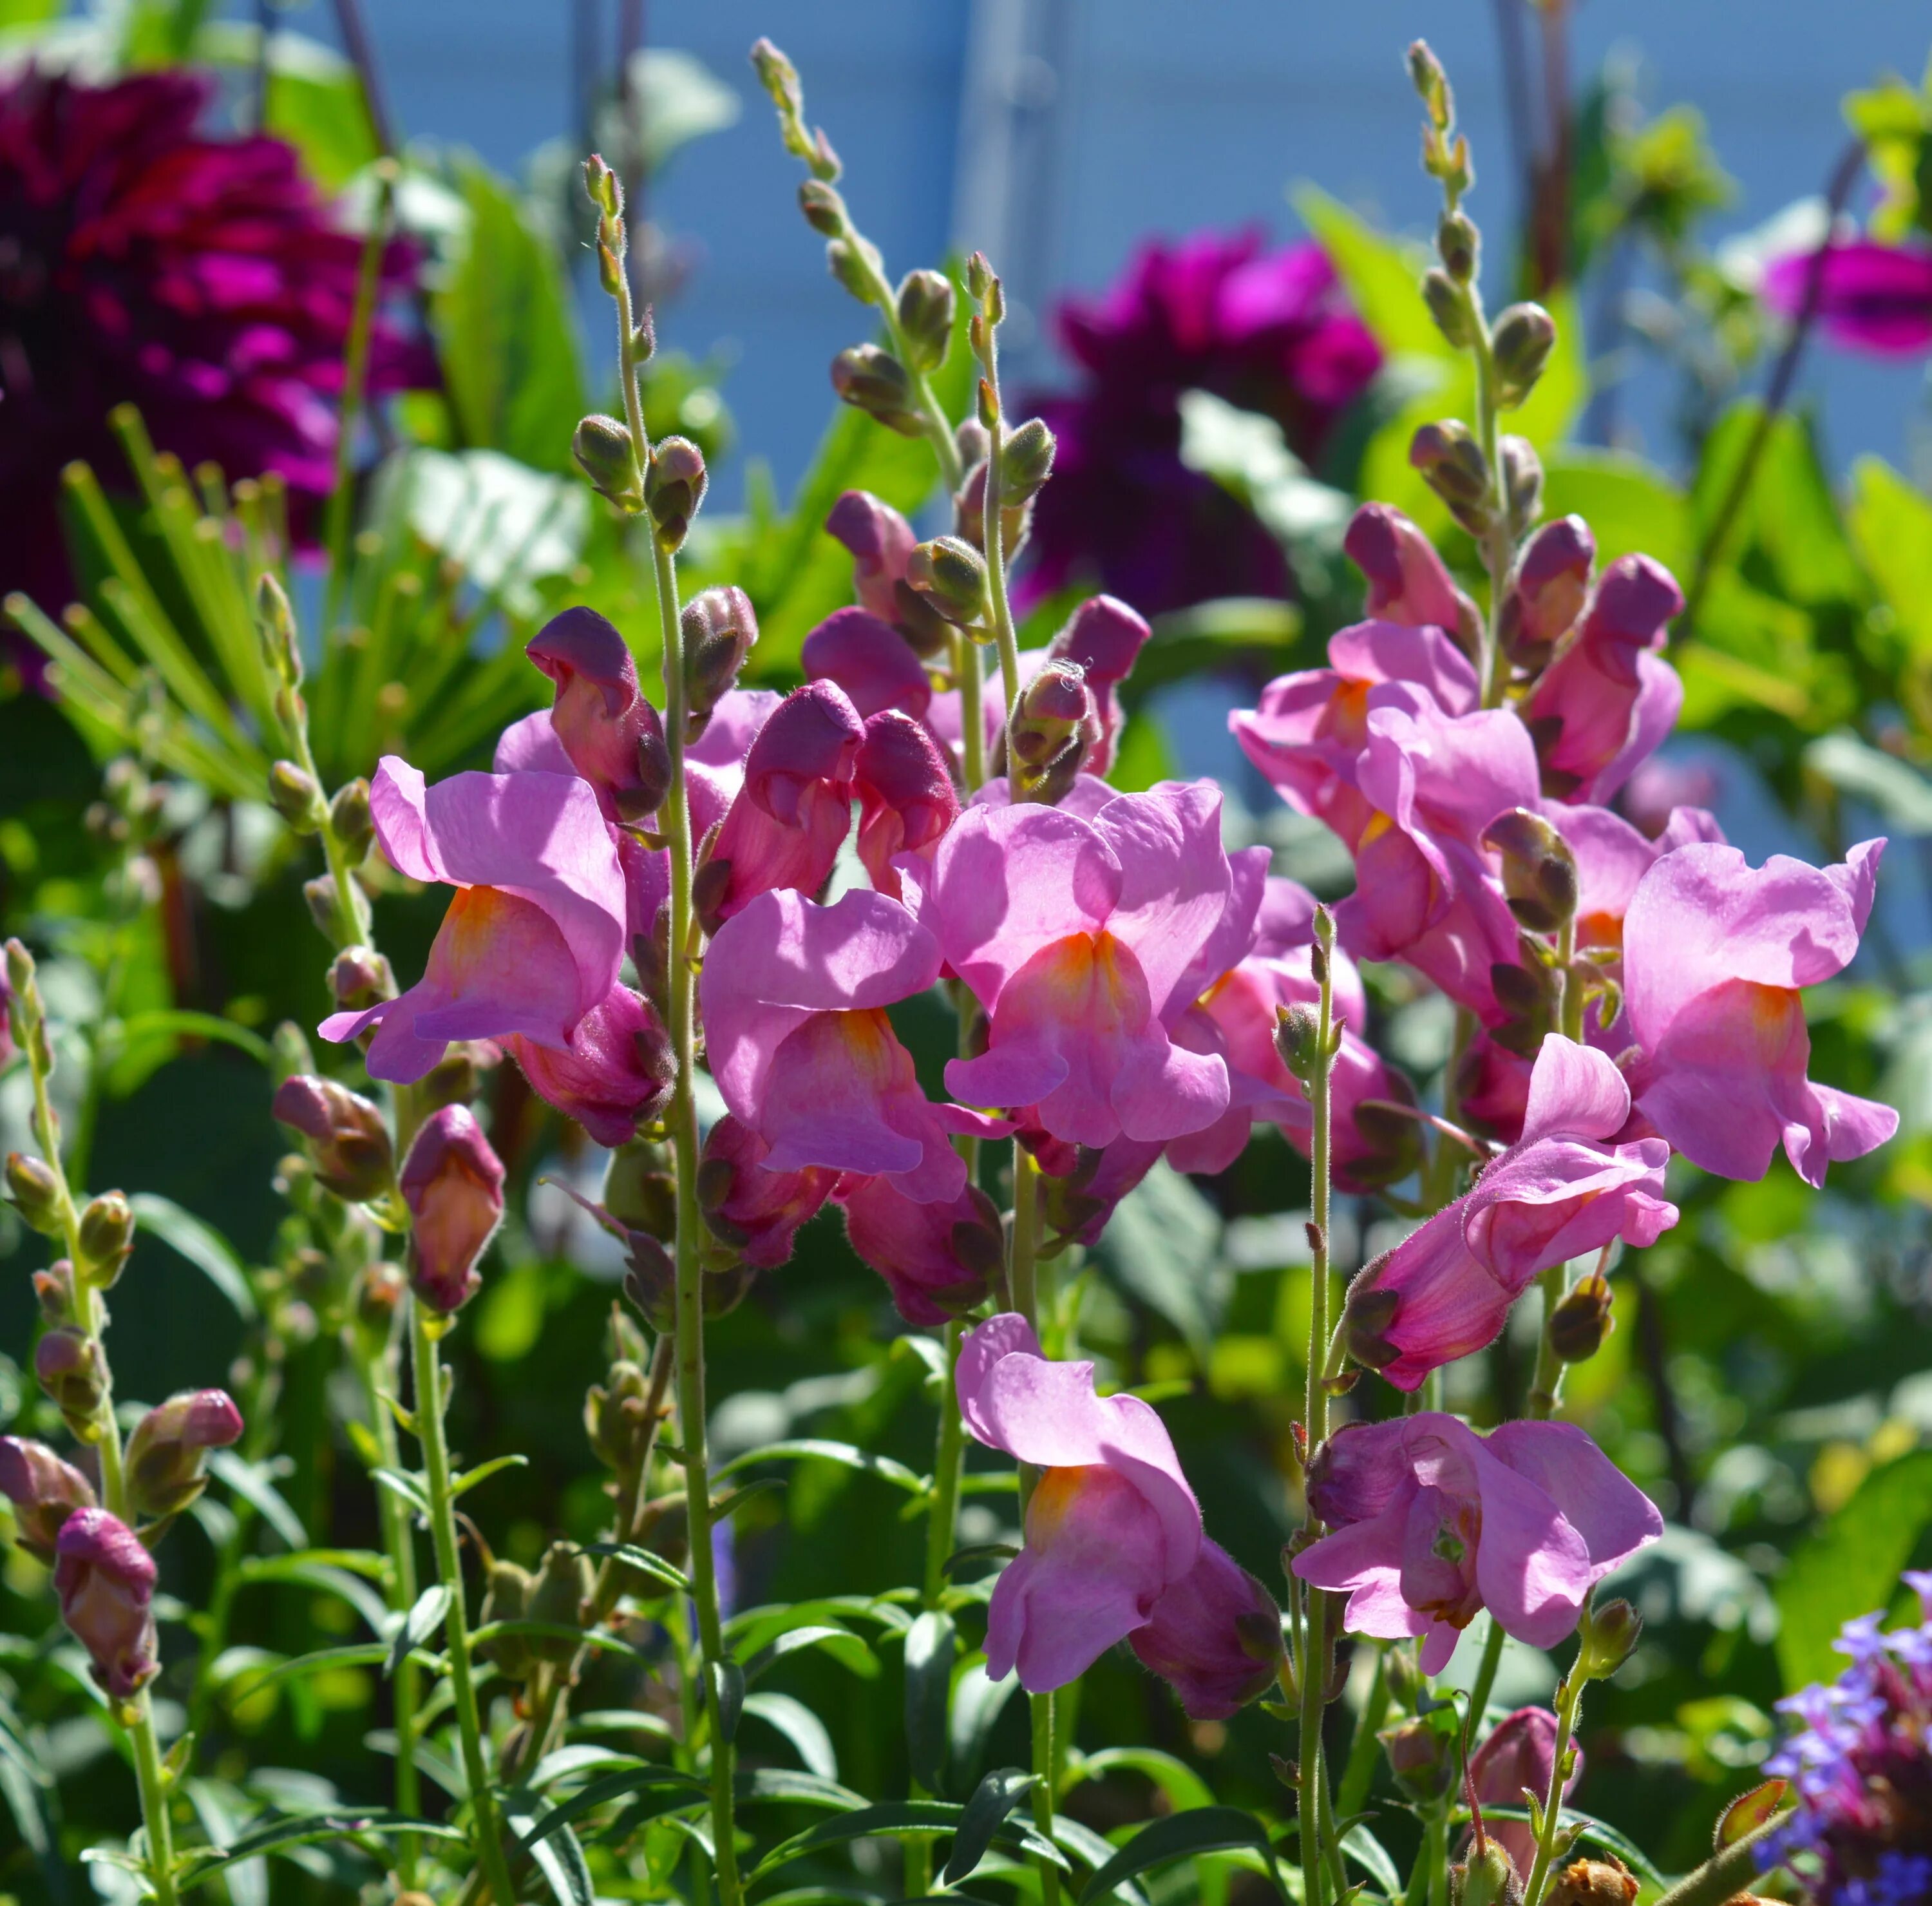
(616, 1074)
(534, 937)
(1874, 297)
(870, 660)
(611, 732)
(1609, 697)
(756, 1211)
(788, 821)
(941, 1259)
(1079, 938)
(1407, 581)
(452, 1182)
(906, 799)
(1716, 954)
(794, 996)
(1433, 1523)
(44, 1491)
(1519, 1752)
(1563, 1188)
(1215, 1635)
(1112, 1525)
(105, 1580)
(169, 1445)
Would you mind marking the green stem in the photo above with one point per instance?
(949, 1461)
(1023, 1271)
(1435, 1857)
(994, 533)
(1485, 1674)
(154, 1799)
(1547, 1388)
(1360, 1770)
(1568, 1698)
(966, 672)
(1043, 1796)
(1498, 545)
(1570, 994)
(430, 1402)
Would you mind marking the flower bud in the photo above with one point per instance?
(1579, 1325)
(1453, 465)
(1604, 1882)
(871, 380)
(615, 1419)
(639, 1190)
(348, 1142)
(824, 209)
(507, 1599)
(1026, 461)
(107, 1238)
(44, 1491)
(602, 187)
(361, 977)
(1297, 1038)
(1487, 1877)
(294, 795)
(1055, 712)
(378, 1291)
(452, 1183)
(561, 1596)
(54, 1292)
(454, 1078)
(1539, 870)
(105, 1580)
(69, 1366)
(950, 574)
(1546, 590)
(1448, 305)
(1522, 482)
(1215, 1637)
(718, 628)
(926, 307)
(324, 907)
(1366, 1314)
(1431, 83)
(1459, 245)
(1422, 1755)
(674, 486)
(606, 453)
(755, 1212)
(33, 1191)
(1521, 339)
(1607, 1637)
(275, 621)
(166, 1452)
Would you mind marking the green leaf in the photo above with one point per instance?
(678, 98)
(801, 1727)
(1181, 1786)
(599, 1638)
(200, 1244)
(561, 1762)
(644, 1562)
(503, 320)
(844, 1647)
(307, 1830)
(1748, 1812)
(1900, 794)
(255, 1487)
(1163, 1246)
(1891, 526)
(846, 1455)
(483, 1471)
(977, 1704)
(1183, 1836)
(727, 1680)
(1851, 1566)
(1383, 275)
(406, 1484)
(1087, 1846)
(1596, 1832)
(893, 1819)
(930, 1643)
(1369, 1854)
(804, 1789)
(599, 1792)
(324, 1661)
(507, 525)
(340, 1572)
(313, 99)
(420, 1626)
(195, 1025)
(558, 1858)
(994, 1798)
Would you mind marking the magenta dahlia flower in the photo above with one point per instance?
(195, 277)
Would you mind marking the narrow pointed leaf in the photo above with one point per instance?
(931, 1644)
(799, 1726)
(994, 1798)
(1183, 1836)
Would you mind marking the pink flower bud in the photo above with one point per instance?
(1545, 594)
(1520, 1752)
(881, 540)
(105, 1580)
(1407, 582)
(166, 1452)
(611, 734)
(1215, 1635)
(1105, 637)
(68, 1365)
(44, 1491)
(617, 1074)
(755, 1212)
(453, 1184)
(348, 1142)
(869, 659)
(906, 799)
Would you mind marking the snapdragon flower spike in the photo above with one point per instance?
(1104, 637)
(616, 1073)
(1608, 699)
(1080, 938)
(452, 1182)
(750, 1209)
(788, 821)
(611, 734)
(1214, 1635)
(105, 1580)
(869, 658)
(1112, 1525)
(794, 996)
(1407, 582)
(44, 1491)
(940, 1259)
(1519, 1752)
(1432, 1523)
(1716, 954)
(534, 935)
(1564, 1188)
(169, 1446)
(906, 799)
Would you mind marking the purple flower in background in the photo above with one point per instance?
(1267, 330)
(1874, 297)
(194, 276)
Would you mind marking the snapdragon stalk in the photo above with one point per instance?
(1569, 1697)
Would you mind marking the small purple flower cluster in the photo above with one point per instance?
(1861, 1762)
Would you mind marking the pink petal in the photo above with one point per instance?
(1613, 1518)
(1575, 1089)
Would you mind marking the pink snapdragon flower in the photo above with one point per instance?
(1609, 697)
(1115, 1549)
(1406, 581)
(870, 660)
(534, 937)
(881, 540)
(1874, 297)
(1520, 1752)
(105, 1580)
(612, 736)
(1105, 636)
(1564, 1188)
(1716, 954)
(1432, 1523)
(940, 1259)
(1081, 939)
(746, 1204)
(452, 1182)
(906, 799)
(794, 996)
(616, 1074)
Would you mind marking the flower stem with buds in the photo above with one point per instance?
(1569, 1697)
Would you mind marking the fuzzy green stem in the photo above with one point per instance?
(949, 1460)
(1571, 995)
(1569, 1696)
(1435, 1857)
(430, 1401)
(1498, 545)
(1043, 1764)
(1546, 1388)
(994, 533)
(154, 1800)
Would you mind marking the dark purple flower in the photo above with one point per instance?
(196, 278)
(1875, 297)
(1266, 331)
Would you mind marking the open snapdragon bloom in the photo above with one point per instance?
(1716, 954)
(1565, 1187)
(1081, 939)
(1432, 1523)
(535, 934)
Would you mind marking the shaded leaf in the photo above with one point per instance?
(931, 1644)
(422, 1625)
(848, 1455)
(789, 1783)
(200, 1244)
(994, 1798)
(894, 1819)
(1182, 1836)
(599, 1792)
(1748, 1812)
(799, 1726)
